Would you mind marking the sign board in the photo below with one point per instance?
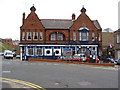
(67, 52)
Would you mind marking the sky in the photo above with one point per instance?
(105, 11)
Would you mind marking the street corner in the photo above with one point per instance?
(13, 84)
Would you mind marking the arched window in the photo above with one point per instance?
(83, 34)
(57, 36)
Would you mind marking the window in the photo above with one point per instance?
(118, 38)
(83, 36)
(35, 35)
(74, 36)
(29, 36)
(99, 37)
(41, 35)
(83, 50)
(57, 36)
(30, 51)
(23, 35)
(53, 36)
(93, 36)
(60, 36)
(39, 51)
(83, 33)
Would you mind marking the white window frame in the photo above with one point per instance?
(28, 35)
(36, 51)
(60, 37)
(53, 37)
(81, 35)
(34, 35)
(74, 36)
(27, 51)
(93, 36)
(99, 37)
(23, 35)
(41, 35)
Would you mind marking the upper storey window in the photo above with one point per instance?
(83, 34)
(35, 35)
(93, 36)
(41, 35)
(29, 36)
(57, 36)
(23, 35)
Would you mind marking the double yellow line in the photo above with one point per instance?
(24, 83)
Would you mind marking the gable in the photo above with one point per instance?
(84, 21)
(32, 22)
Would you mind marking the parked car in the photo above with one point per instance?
(17, 56)
(110, 60)
(81, 56)
(70, 58)
(8, 54)
(118, 62)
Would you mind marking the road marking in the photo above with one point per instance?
(6, 71)
(24, 83)
(106, 68)
(84, 83)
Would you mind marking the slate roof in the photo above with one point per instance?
(57, 23)
(96, 23)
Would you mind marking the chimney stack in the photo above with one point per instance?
(23, 18)
(73, 16)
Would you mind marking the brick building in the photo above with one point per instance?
(8, 41)
(107, 41)
(52, 38)
(117, 44)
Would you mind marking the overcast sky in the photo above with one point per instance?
(105, 11)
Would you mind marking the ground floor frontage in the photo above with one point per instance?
(54, 51)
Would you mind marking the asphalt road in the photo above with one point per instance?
(58, 75)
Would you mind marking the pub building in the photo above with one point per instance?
(53, 38)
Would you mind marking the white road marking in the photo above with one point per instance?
(107, 68)
(84, 83)
(56, 83)
(56, 64)
(6, 71)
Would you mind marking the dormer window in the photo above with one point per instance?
(83, 34)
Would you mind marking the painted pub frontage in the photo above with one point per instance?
(53, 38)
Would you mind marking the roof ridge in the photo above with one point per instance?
(58, 19)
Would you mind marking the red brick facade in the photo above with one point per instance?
(33, 24)
(54, 36)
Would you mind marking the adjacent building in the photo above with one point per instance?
(117, 44)
(53, 38)
(108, 44)
(8, 41)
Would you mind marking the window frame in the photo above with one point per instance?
(82, 31)
(34, 34)
(23, 35)
(74, 36)
(41, 36)
(29, 33)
